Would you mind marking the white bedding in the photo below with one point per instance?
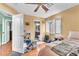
(65, 47)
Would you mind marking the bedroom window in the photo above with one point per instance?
(54, 26)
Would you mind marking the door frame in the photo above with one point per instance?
(6, 13)
(34, 28)
(9, 13)
(5, 30)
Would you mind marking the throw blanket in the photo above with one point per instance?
(64, 48)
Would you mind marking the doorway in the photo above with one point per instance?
(6, 41)
(37, 30)
(8, 30)
(12, 33)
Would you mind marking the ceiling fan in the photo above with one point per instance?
(42, 5)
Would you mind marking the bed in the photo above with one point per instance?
(68, 46)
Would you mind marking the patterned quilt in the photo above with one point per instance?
(64, 48)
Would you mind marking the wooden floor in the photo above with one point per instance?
(6, 49)
(31, 53)
(34, 52)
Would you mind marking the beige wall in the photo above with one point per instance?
(30, 28)
(70, 20)
(30, 19)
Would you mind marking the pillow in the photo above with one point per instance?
(73, 35)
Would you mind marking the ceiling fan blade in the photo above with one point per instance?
(36, 3)
(45, 8)
(37, 8)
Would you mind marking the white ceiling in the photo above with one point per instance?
(28, 9)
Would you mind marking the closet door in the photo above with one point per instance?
(17, 33)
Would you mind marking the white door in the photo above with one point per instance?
(3, 31)
(7, 30)
(17, 33)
